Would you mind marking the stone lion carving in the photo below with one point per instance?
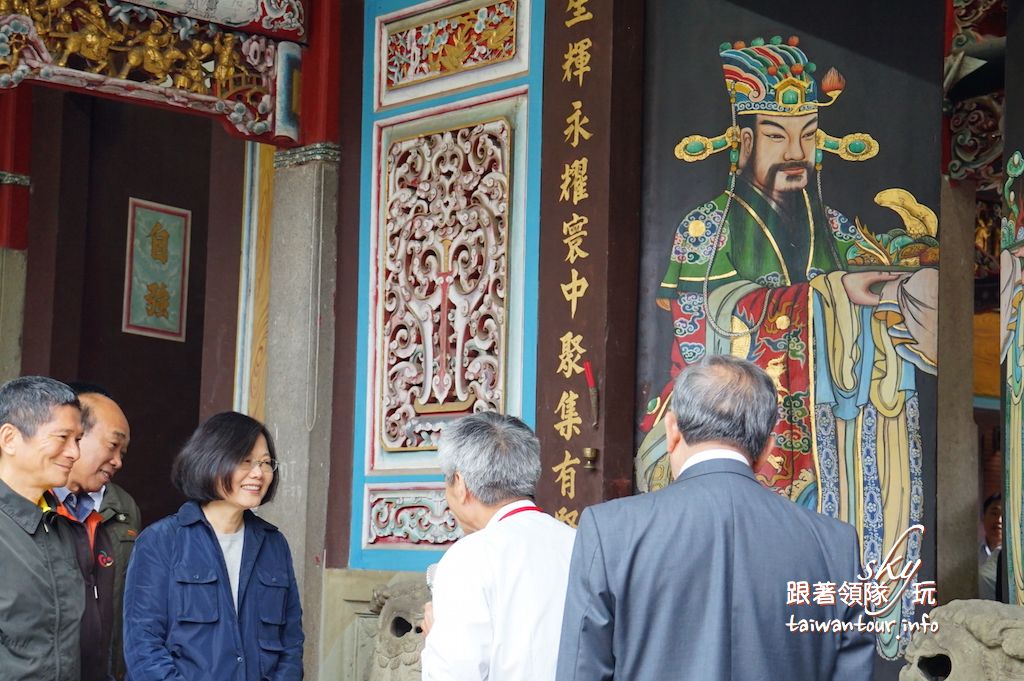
(975, 641)
(396, 656)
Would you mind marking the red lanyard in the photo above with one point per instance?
(521, 509)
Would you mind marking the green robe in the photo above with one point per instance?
(759, 244)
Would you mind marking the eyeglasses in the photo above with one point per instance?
(266, 465)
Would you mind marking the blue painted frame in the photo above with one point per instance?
(414, 560)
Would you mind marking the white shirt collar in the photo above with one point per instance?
(506, 508)
(97, 497)
(709, 454)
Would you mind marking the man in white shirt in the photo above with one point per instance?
(498, 592)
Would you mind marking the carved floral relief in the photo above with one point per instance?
(409, 515)
(475, 36)
(442, 281)
(977, 153)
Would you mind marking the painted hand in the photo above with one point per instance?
(859, 285)
(664, 303)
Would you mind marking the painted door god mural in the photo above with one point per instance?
(1011, 299)
(841, 315)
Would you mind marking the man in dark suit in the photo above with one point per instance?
(692, 581)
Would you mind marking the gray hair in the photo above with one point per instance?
(28, 402)
(727, 399)
(498, 456)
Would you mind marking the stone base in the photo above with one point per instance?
(352, 607)
(971, 641)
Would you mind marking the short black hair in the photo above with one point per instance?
(28, 402)
(85, 388)
(204, 468)
(991, 500)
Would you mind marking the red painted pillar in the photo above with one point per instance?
(15, 162)
(321, 66)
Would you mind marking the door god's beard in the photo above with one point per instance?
(787, 183)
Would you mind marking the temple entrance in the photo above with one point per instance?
(123, 188)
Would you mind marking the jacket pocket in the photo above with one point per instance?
(198, 594)
(273, 590)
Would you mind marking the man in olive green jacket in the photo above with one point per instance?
(122, 521)
(106, 522)
(42, 594)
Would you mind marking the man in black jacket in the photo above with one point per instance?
(106, 522)
(41, 594)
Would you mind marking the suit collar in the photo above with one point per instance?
(717, 466)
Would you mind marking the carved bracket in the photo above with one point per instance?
(139, 54)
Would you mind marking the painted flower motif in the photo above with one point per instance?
(692, 304)
(239, 113)
(1006, 232)
(125, 13)
(19, 26)
(252, 48)
(770, 280)
(842, 228)
(698, 235)
(5, 49)
(692, 352)
(425, 33)
(184, 27)
(685, 325)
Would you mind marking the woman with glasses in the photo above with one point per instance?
(210, 591)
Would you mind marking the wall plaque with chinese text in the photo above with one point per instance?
(156, 270)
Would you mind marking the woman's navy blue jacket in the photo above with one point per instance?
(180, 622)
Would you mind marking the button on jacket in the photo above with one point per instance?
(42, 596)
(180, 622)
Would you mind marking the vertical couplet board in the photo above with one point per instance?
(791, 174)
(590, 199)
